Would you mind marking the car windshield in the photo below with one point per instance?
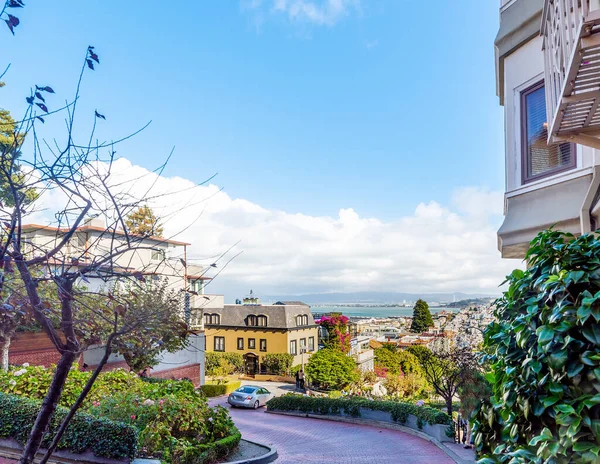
(246, 389)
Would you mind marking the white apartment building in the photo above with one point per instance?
(548, 80)
(152, 257)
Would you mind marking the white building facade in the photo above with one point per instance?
(556, 183)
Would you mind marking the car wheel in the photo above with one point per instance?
(256, 404)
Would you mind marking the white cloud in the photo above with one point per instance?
(437, 248)
(318, 12)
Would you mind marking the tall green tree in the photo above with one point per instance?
(331, 369)
(422, 319)
(144, 222)
(152, 313)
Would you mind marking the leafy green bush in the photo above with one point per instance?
(223, 364)
(104, 437)
(544, 351)
(278, 363)
(351, 407)
(33, 382)
(398, 362)
(220, 389)
(173, 419)
(330, 369)
(170, 425)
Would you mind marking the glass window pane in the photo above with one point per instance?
(541, 158)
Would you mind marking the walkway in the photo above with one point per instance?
(320, 441)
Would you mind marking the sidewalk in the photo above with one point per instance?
(466, 455)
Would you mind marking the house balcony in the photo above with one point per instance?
(571, 43)
(201, 303)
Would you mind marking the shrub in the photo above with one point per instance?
(330, 369)
(169, 425)
(337, 329)
(369, 377)
(220, 389)
(351, 407)
(102, 436)
(404, 386)
(173, 419)
(420, 351)
(296, 368)
(33, 382)
(397, 362)
(544, 352)
(278, 363)
(223, 364)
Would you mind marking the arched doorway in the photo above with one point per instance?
(250, 364)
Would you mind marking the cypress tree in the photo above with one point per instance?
(422, 319)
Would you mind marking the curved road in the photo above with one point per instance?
(302, 440)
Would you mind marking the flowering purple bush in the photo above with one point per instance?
(337, 327)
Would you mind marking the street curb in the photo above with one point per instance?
(264, 459)
(384, 425)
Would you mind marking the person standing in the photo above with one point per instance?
(301, 378)
(297, 380)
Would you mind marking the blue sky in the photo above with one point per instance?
(390, 105)
(363, 117)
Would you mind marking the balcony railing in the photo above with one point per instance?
(571, 35)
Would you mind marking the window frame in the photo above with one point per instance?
(240, 343)
(159, 251)
(221, 341)
(303, 344)
(525, 177)
(311, 344)
(294, 350)
(262, 345)
(252, 343)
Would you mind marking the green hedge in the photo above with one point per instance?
(209, 452)
(103, 437)
(351, 407)
(214, 389)
(277, 363)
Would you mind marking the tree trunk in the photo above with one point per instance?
(449, 406)
(48, 407)
(77, 404)
(5, 347)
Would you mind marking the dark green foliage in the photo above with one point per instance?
(422, 319)
(330, 369)
(209, 452)
(223, 363)
(472, 392)
(397, 362)
(103, 437)
(420, 351)
(153, 309)
(544, 352)
(219, 389)
(351, 407)
(278, 363)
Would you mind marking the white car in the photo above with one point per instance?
(249, 396)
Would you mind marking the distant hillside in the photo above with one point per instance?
(373, 297)
(470, 302)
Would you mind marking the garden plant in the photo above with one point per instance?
(544, 354)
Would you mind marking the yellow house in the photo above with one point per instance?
(254, 330)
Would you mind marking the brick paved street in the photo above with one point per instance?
(301, 440)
